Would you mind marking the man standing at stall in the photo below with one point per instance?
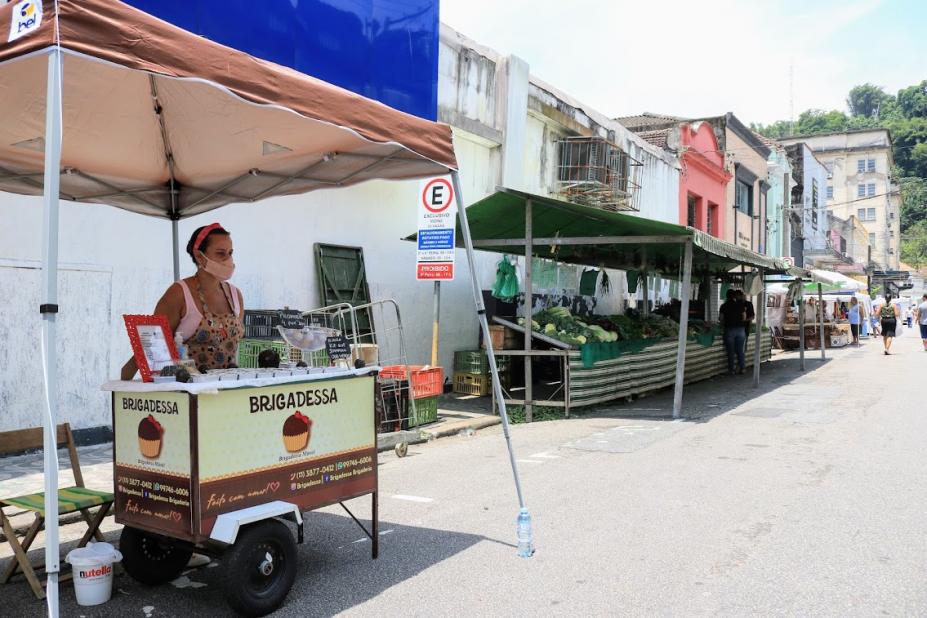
(733, 314)
(749, 313)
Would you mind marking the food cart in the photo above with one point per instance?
(211, 467)
(150, 118)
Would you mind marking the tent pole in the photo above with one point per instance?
(529, 306)
(175, 238)
(435, 323)
(683, 329)
(801, 324)
(760, 315)
(49, 309)
(484, 325)
(821, 321)
(645, 291)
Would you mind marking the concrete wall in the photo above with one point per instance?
(741, 228)
(778, 203)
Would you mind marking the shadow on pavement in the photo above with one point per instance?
(335, 573)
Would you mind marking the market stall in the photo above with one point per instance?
(511, 221)
(147, 117)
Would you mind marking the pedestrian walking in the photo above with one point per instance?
(853, 317)
(922, 320)
(909, 316)
(733, 315)
(890, 315)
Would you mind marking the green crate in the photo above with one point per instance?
(249, 349)
(426, 411)
(477, 362)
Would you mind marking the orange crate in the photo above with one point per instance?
(427, 381)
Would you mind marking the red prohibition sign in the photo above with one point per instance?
(447, 202)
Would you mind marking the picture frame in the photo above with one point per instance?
(152, 343)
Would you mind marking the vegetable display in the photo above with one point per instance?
(558, 323)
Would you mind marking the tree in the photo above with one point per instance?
(913, 100)
(867, 100)
(914, 245)
(913, 202)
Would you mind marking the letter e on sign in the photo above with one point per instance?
(437, 195)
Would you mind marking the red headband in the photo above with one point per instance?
(203, 234)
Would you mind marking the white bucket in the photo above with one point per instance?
(93, 572)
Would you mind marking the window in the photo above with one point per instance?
(860, 165)
(870, 165)
(711, 224)
(814, 203)
(860, 190)
(870, 189)
(743, 197)
(870, 214)
(861, 214)
(891, 233)
(872, 239)
(830, 192)
(891, 215)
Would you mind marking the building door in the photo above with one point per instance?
(343, 279)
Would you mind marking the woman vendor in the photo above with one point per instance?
(205, 309)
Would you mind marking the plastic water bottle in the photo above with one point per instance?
(181, 348)
(525, 536)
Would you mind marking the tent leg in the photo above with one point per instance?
(175, 238)
(683, 329)
(760, 315)
(801, 325)
(821, 321)
(49, 309)
(529, 312)
(484, 325)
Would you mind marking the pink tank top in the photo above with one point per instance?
(192, 316)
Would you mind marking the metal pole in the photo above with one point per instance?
(645, 290)
(175, 238)
(683, 328)
(49, 309)
(435, 323)
(801, 324)
(529, 306)
(821, 320)
(758, 340)
(484, 325)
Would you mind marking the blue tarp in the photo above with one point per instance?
(385, 50)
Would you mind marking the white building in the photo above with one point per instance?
(859, 165)
(808, 204)
(507, 125)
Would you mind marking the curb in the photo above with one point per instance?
(389, 441)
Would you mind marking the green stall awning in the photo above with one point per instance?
(577, 234)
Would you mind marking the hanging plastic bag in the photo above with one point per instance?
(506, 286)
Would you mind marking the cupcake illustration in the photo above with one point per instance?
(149, 437)
(296, 431)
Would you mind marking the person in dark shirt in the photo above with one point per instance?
(750, 313)
(733, 314)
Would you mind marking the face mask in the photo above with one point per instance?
(222, 271)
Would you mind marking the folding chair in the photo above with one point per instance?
(70, 499)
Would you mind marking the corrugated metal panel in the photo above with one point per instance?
(650, 370)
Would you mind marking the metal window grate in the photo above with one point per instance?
(595, 172)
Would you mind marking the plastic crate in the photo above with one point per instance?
(426, 411)
(427, 381)
(477, 361)
(477, 384)
(249, 349)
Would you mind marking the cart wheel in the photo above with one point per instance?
(401, 449)
(260, 568)
(150, 558)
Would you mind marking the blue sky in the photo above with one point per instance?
(705, 57)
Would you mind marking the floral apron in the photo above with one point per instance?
(215, 343)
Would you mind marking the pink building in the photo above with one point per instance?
(702, 180)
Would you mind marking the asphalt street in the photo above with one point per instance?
(803, 497)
